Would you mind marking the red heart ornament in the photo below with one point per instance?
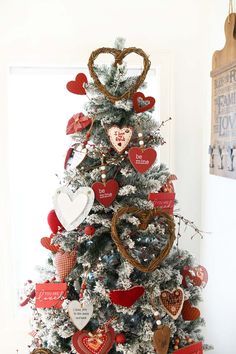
(46, 242)
(64, 263)
(189, 312)
(172, 302)
(98, 342)
(190, 272)
(195, 348)
(148, 102)
(77, 86)
(54, 222)
(77, 123)
(202, 274)
(105, 193)
(128, 297)
(142, 159)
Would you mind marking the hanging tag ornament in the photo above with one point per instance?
(74, 157)
(80, 313)
(120, 137)
(142, 159)
(105, 191)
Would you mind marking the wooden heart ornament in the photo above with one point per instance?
(64, 263)
(142, 159)
(142, 103)
(119, 55)
(172, 302)
(72, 208)
(145, 217)
(80, 313)
(120, 137)
(105, 193)
(161, 339)
(189, 312)
(77, 86)
(127, 297)
(98, 342)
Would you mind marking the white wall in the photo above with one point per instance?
(218, 216)
(62, 32)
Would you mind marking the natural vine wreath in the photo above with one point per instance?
(41, 351)
(119, 56)
(145, 217)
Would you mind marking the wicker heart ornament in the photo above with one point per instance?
(72, 208)
(172, 302)
(119, 55)
(98, 342)
(64, 263)
(145, 217)
(120, 137)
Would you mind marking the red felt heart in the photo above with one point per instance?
(191, 273)
(142, 159)
(46, 242)
(148, 102)
(77, 86)
(77, 123)
(105, 193)
(189, 312)
(128, 297)
(54, 223)
(98, 342)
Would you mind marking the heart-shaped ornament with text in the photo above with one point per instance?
(127, 297)
(105, 193)
(142, 103)
(189, 312)
(142, 159)
(120, 137)
(145, 217)
(77, 86)
(172, 302)
(64, 263)
(119, 56)
(161, 339)
(98, 342)
(72, 208)
(46, 242)
(80, 313)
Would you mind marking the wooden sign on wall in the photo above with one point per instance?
(223, 122)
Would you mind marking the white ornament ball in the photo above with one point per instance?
(140, 135)
(104, 175)
(141, 142)
(103, 168)
(158, 322)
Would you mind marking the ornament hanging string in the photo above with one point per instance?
(231, 9)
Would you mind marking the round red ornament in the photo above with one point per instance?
(54, 223)
(120, 338)
(89, 230)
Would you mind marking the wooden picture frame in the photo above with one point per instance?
(222, 150)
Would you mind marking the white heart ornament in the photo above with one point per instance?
(76, 158)
(120, 137)
(80, 313)
(72, 208)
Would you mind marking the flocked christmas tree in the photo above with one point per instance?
(116, 281)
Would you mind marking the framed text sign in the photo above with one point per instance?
(223, 124)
